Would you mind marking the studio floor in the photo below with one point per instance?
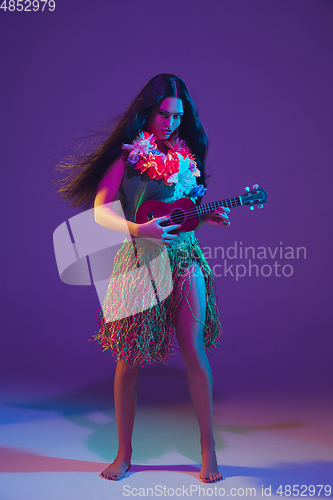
(53, 446)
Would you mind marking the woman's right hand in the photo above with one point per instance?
(153, 230)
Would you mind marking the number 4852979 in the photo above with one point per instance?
(27, 5)
(303, 490)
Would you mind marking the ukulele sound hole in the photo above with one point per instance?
(177, 217)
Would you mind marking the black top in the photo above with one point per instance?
(136, 188)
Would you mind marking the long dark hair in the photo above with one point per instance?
(84, 174)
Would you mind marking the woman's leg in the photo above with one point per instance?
(190, 341)
(125, 390)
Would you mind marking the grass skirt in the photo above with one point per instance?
(137, 319)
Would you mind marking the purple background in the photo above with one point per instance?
(261, 74)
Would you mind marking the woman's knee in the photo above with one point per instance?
(127, 368)
(194, 356)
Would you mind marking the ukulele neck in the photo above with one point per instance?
(208, 208)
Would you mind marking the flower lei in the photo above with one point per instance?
(177, 167)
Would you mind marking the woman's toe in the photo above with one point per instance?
(105, 475)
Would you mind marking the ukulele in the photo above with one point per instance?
(185, 212)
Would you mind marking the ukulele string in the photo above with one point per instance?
(196, 212)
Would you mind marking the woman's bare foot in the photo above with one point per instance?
(116, 470)
(209, 471)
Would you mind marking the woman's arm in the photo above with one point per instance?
(107, 192)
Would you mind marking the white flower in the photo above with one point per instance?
(184, 179)
(144, 143)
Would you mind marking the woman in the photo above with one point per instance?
(156, 152)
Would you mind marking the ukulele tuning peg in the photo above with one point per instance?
(255, 186)
(251, 207)
(247, 189)
(260, 206)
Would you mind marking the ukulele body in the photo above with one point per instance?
(182, 211)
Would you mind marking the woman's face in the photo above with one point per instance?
(165, 118)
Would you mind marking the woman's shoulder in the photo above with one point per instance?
(115, 171)
(117, 165)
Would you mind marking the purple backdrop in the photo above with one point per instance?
(261, 74)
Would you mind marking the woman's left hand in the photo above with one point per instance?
(218, 218)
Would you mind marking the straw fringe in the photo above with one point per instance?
(137, 319)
